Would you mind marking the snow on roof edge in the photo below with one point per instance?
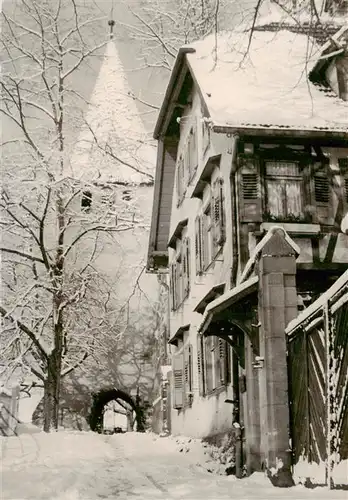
(318, 304)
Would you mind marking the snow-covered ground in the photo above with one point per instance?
(87, 466)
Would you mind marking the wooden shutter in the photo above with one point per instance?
(222, 361)
(204, 242)
(193, 151)
(322, 194)
(188, 374)
(179, 278)
(218, 215)
(250, 192)
(185, 259)
(209, 376)
(343, 164)
(198, 244)
(172, 282)
(180, 179)
(178, 381)
(205, 136)
(200, 365)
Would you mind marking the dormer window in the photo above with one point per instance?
(86, 201)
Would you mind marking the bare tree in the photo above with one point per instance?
(58, 306)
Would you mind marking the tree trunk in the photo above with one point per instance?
(52, 391)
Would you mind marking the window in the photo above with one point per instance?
(284, 191)
(207, 237)
(205, 136)
(86, 201)
(217, 363)
(210, 229)
(180, 275)
(187, 165)
(200, 365)
(183, 377)
(178, 381)
(180, 180)
(296, 189)
(107, 198)
(192, 154)
(188, 378)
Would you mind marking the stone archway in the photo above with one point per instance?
(102, 398)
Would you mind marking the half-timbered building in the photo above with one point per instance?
(251, 189)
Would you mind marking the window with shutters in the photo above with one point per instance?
(218, 216)
(200, 365)
(210, 229)
(180, 180)
(284, 191)
(188, 375)
(192, 154)
(173, 295)
(185, 258)
(205, 136)
(217, 363)
(198, 245)
(178, 381)
(180, 274)
(209, 356)
(207, 237)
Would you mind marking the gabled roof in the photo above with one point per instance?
(263, 87)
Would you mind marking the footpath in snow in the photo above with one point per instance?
(87, 466)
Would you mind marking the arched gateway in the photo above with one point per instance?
(102, 398)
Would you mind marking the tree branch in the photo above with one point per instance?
(76, 365)
(27, 331)
(22, 254)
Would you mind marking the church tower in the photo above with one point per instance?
(112, 168)
(113, 161)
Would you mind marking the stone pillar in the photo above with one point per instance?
(277, 306)
(252, 407)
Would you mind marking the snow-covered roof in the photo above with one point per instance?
(226, 300)
(112, 123)
(265, 86)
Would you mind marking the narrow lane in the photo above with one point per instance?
(88, 466)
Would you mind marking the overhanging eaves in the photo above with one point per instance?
(226, 300)
(215, 292)
(177, 232)
(179, 333)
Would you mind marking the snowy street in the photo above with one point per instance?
(88, 466)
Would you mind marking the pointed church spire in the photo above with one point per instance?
(111, 22)
(114, 125)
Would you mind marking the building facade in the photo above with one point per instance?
(247, 143)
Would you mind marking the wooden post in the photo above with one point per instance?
(330, 386)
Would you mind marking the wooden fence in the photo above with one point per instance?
(318, 381)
